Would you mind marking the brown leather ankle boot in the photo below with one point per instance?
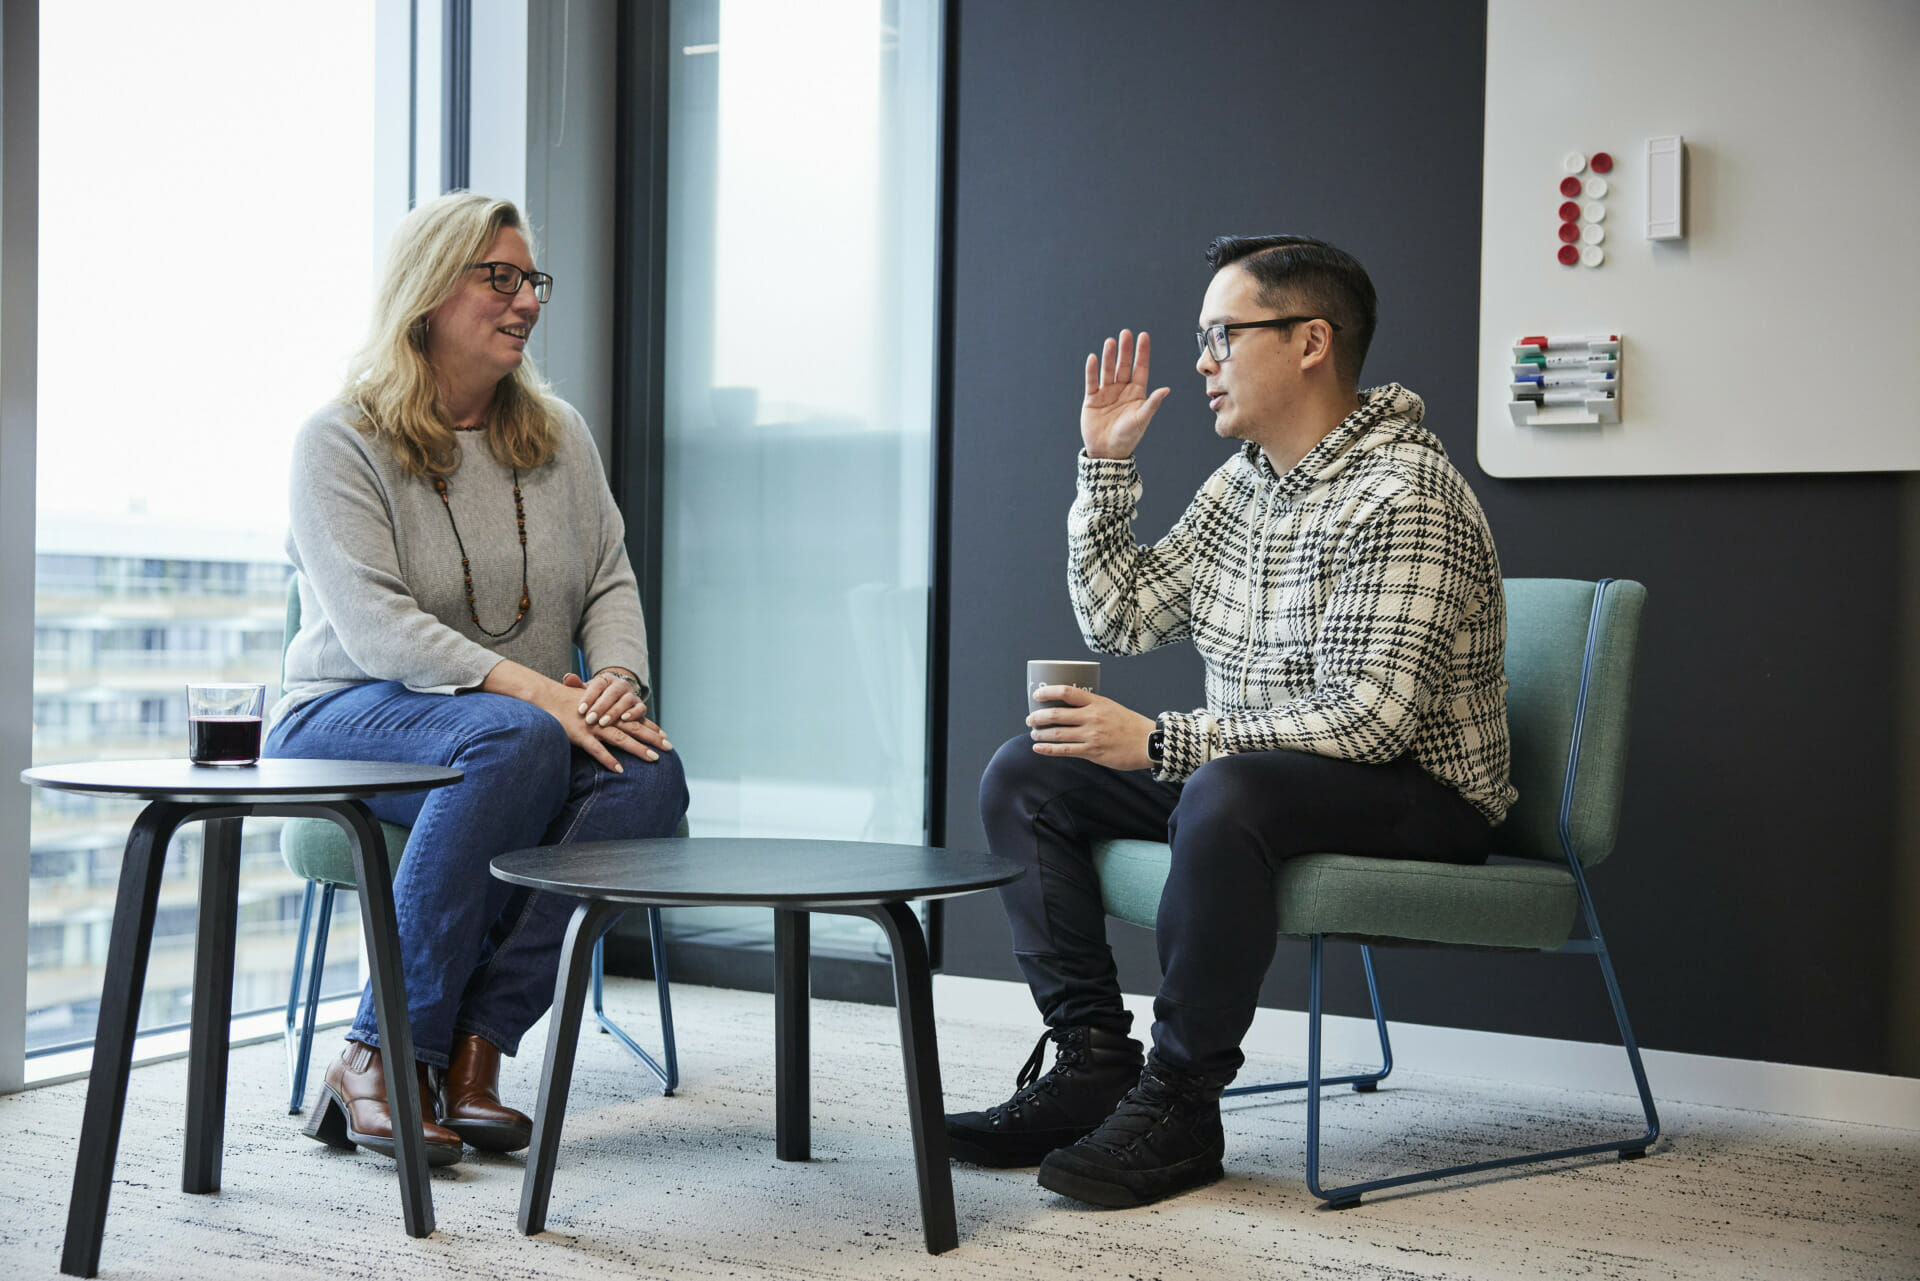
(352, 1110)
(469, 1098)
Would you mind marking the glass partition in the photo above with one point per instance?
(801, 313)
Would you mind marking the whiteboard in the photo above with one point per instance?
(1780, 335)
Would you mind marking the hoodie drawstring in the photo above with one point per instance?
(1258, 532)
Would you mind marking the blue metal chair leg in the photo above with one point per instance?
(670, 1073)
(1596, 942)
(1367, 1085)
(1316, 945)
(295, 1077)
(1631, 1150)
(1348, 1195)
(316, 976)
(1364, 1082)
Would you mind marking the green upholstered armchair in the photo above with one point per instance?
(317, 851)
(1570, 658)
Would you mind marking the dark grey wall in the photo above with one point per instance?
(1100, 145)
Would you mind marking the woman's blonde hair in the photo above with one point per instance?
(390, 381)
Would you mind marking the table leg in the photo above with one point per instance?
(590, 921)
(381, 931)
(213, 961)
(913, 997)
(792, 1088)
(125, 979)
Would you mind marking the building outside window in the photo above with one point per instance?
(206, 266)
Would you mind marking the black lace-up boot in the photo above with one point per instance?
(1092, 1070)
(1163, 1138)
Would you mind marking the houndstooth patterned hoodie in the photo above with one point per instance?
(1350, 607)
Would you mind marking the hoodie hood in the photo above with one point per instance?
(1388, 415)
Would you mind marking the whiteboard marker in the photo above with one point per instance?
(1558, 395)
(1550, 341)
(1581, 367)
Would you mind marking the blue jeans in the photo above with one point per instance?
(479, 955)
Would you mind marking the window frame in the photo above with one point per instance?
(19, 374)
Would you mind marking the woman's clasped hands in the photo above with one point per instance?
(612, 713)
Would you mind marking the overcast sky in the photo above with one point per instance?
(206, 194)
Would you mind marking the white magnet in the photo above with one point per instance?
(1593, 255)
(1596, 188)
(1593, 211)
(1573, 162)
(1666, 187)
(1593, 233)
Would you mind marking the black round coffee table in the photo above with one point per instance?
(793, 878)
(222, 797)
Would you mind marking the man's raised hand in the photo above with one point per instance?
(1115, 414)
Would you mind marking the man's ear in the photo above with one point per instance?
(1317, 350)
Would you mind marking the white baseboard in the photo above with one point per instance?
(1826, 1094)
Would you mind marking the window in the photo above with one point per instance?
(800, 318)
(192, 172)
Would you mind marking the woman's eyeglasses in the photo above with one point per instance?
(506, 279)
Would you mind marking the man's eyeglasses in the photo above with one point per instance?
(1214, 338)
(506, 279)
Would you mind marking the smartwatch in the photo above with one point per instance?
(1157, 746)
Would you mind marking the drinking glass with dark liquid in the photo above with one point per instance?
(223, 723)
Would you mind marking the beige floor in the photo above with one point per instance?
(689, 1187)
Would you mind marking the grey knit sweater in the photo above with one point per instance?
(381, 593)
(1351, 607)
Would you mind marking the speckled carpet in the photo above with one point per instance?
(688, 1187)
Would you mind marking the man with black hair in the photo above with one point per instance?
(1338, 577)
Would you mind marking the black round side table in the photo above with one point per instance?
(793, 878)
(222, 797)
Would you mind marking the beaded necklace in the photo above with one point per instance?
(466, 569)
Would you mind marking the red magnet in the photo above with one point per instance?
(1601, 162)
(1568, 255)
(1570, 212)
(1569, 232)
(1569, 186)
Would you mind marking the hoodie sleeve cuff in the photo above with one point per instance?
(1191, 740)
(1107, 477)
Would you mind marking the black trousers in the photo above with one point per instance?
(1230, 826)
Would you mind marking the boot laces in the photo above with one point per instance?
(1066, 1056)
(1149, 1104)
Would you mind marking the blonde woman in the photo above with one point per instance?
(455, 541)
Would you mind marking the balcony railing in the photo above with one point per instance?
(259, 583)
(184, 659)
